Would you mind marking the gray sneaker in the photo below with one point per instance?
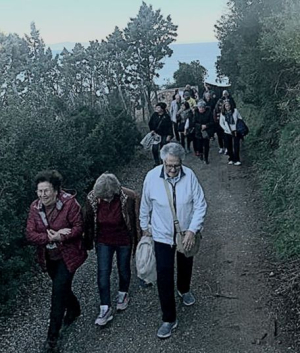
(166, 329)
(122, 300)
(187, 298)
(104, 316)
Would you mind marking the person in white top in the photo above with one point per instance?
(174, 108)
(190, 205)
(228, 120)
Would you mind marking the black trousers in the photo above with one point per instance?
(233, 147)
(62, 298)
(165, 264)
(156, 148)
(202, 145)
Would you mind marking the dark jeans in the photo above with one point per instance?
(165, 263)
(221, 137)
(233, 147)
(62, 296)
(105, 254)
(175, 129)
(182, 139)
(156, 148)
(202, 145)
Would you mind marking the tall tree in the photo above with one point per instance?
(148, 35)
(193, 74)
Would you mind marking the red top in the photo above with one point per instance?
(112, 228)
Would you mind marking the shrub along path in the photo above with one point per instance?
(230, 282)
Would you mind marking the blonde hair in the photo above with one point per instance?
(107, 186)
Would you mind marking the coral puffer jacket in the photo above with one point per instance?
(67, 214)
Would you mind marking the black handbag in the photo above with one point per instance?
(241, 128)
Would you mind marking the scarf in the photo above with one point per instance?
(229, 118)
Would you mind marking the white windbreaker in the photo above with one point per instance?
(225, 126)
(155, 209)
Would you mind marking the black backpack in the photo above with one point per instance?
(241, 128)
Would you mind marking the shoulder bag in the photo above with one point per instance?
(179, 234)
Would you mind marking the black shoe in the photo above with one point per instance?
(206, 162)
(71, 316)
(201, 156)
(51, 346)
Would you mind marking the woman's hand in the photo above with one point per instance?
(58, 235)
(168, 138)
(188, 240)
(203, 127)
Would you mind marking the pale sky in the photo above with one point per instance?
(85, 20)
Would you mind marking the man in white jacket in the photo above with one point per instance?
(190, 206)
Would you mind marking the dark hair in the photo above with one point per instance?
(162, 105)
(186, 104)
(51, 176)
(217, 106)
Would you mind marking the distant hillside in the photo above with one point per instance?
(206, 53)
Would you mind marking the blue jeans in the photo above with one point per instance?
(105, 254)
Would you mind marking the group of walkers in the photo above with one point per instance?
(194, 121)
(112, 222)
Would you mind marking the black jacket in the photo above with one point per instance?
(161, 124)
(205, 118)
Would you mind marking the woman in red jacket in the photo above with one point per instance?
(55, 226)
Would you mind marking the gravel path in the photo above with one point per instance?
(230, 283)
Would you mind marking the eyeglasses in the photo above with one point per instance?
(173, 166)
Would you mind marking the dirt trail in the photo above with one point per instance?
(231, 314)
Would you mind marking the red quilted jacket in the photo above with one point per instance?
(67, 214)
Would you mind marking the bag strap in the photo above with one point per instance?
(175, 219)
(161, 120)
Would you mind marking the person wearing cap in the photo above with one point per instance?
(111, 224)
(160, 123)
(204, 130)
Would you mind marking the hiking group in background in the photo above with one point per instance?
(191, 120)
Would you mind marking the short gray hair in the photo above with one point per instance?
(173, 149)
(107, 186)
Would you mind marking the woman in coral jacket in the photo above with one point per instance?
(55, 226)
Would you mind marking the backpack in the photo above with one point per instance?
(241, 128)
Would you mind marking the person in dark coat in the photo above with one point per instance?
(204, 130)
(161, 124)
(55, 226)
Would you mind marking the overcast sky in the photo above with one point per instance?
(85, 20)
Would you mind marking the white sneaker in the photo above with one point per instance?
(237, 163)
(122, 300)
(104, 316)
(230, 162)
(221, 151)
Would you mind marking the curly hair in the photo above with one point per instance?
(51, 176)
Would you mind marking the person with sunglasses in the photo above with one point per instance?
(190, 206)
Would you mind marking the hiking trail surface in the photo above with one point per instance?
(232, 313)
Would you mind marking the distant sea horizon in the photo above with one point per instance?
(206, 52)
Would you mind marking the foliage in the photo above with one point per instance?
(193, 74)
(260, 51)
(74, 113)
